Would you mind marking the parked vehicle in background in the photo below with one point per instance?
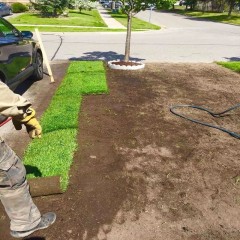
(109, 4)
(20, 56)
(5, 9)
(106, 4)
(182, 2)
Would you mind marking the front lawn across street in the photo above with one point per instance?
(212, 16)
(86, 18)
(140, 172)
(137, 24)
(86, 21)
(218, 17)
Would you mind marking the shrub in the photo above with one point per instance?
(50, 8)
(19, 7)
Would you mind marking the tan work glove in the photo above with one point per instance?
(33, 127)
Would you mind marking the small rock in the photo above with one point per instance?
(101, 234)
(84, 236)
(107, 228)
(69, 231)
(93, 157)
(119, 218)
(94, 238)
(133, 216)
(165, 208)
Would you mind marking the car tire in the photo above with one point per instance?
(38, 72)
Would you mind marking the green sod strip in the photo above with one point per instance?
(52, 155)
(235, 66)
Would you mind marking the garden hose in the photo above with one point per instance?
(233, 134)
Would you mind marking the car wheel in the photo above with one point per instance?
(38, 72)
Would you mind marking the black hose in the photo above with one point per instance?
(233, 134)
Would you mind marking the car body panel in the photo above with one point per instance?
(18, 56)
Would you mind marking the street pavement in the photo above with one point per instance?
(181, 39)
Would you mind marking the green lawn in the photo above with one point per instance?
(52, 155)
(86, 18)
(136, 22)
(218, 17)
(87, 21)
(235, 66)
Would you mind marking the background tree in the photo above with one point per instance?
(232, 4)
(85, 5)
(191, 3)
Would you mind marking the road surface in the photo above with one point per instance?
(181, 39)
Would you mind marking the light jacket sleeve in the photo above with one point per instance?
(12, 104)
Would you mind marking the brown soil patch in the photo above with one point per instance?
(141, 172)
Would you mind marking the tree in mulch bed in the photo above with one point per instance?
(131, 8)
(52, 155)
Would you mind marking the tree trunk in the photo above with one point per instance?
(231, 6)
(128, 37)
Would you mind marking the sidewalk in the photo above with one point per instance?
(111, 22)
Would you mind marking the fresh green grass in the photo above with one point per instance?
(235, 66)
(86, 18)
(87, 21)
(136, 22)
(52, 155)
(213, 16)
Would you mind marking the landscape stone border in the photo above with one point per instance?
(137, 66)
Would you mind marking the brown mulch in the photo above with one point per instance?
(140, 172)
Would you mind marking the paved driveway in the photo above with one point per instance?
(181, 39)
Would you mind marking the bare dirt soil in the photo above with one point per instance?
(140, 172)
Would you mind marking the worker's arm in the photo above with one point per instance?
(12, 104)
(17, 107)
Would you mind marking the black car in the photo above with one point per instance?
(5, 9)
(20, 56)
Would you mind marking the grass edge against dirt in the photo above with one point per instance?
(52, 155)
(235, 65)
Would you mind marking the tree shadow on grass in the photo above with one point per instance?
(106, 56)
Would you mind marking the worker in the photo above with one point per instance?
(24, 215)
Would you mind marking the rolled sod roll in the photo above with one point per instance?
(44, 186)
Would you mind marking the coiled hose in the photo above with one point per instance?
(233, 134)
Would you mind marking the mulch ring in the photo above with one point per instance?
(141, 172)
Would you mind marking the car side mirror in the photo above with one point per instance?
(27, 34)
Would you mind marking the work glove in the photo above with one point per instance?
(32, 125)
